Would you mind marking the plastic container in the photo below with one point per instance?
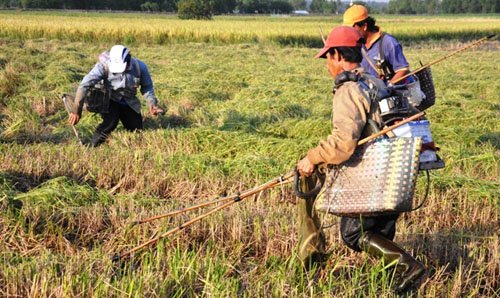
(418, 129)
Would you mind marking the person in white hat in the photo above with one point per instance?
(122, 75)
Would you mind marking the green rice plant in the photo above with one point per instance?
(243, 108)
(226, 30)
(61, 192)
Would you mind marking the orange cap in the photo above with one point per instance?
(354, 14)
(341, 36)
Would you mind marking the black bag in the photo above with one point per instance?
(97, 98)
(427, 86)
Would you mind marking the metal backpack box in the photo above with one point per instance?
(379, 178)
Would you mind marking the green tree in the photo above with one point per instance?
(323, 6)
(169, 5)
(150, 6)
(42, 3)
(280, 6)
(402, 7)
(451, 6)
(490, 6)
(252, 6)
(9, 3)
(224, 6)
(195, 9)
(299, 4)
(432, 6)
(317, 5)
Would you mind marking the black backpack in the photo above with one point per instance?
(424, 77)
(98, 96)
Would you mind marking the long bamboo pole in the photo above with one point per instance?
(477, 42)
(390, 128)
(201, 205)
(231, 197)
(277, 181)
(237, 198)
(322, 35)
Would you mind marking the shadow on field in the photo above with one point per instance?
(35, 139)
(162, 122)
(24, 182)
(410, 38)
(300, 40)
(457, 251)
(235, 120)
(493, 138)
(61, 212)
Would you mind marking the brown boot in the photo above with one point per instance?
(380, 246)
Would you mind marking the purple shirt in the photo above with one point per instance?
(393, 53)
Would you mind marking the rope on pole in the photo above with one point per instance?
(477, 42)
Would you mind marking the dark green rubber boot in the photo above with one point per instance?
(311, 246)
(379, 246)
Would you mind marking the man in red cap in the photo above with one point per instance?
(353, 108)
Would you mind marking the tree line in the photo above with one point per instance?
(443, 6)
(216, 6)
(263, 6)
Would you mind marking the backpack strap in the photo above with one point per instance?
(371, 62)
(137, 68)
(380, 46)
(372, 91)
(385, 66)
(343, 77)
(371, 127)
(106, 71)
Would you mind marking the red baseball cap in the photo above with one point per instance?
(341, 36)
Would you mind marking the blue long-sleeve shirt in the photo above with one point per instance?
(393, 54)
(123, 85)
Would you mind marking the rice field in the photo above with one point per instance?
(284, 30)
(246, 99)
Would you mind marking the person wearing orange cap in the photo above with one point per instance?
(382, 54)
(354, 110)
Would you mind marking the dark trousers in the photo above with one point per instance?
(352, 228)
(130, 119)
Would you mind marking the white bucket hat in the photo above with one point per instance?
(117, 55)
